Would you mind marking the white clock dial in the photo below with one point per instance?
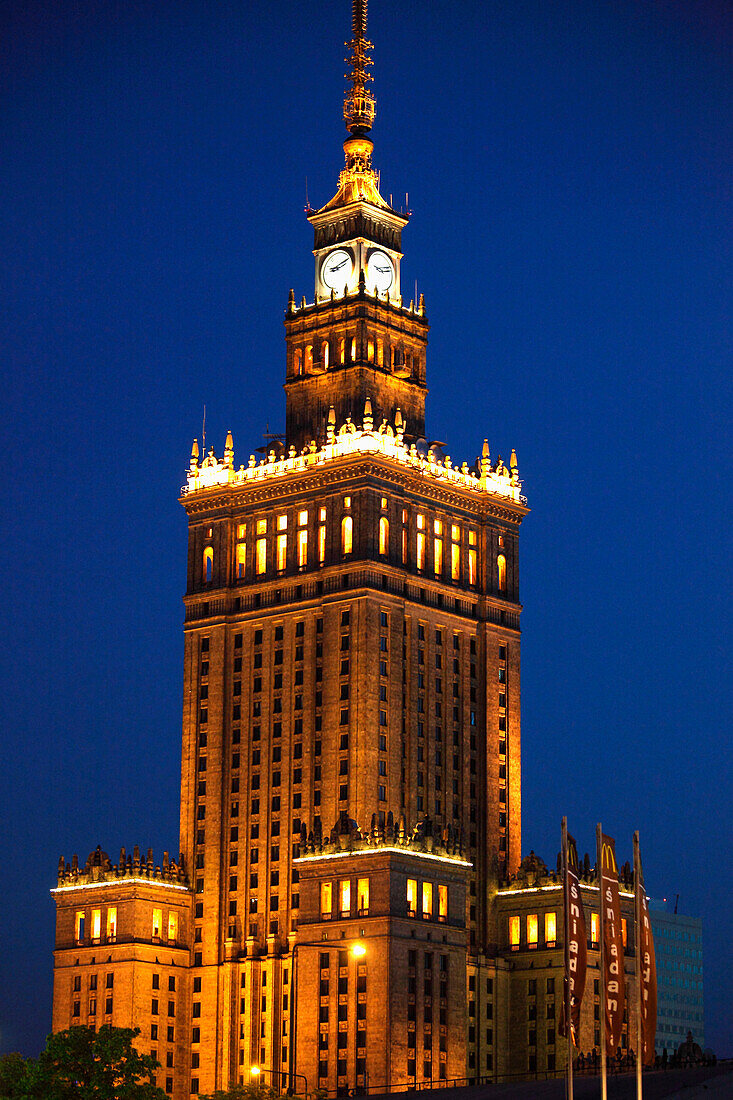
(380, 272)
(337, 269)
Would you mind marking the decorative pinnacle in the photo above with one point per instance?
(359, 104)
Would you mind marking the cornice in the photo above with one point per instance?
(347, 470)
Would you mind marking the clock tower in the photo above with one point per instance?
(358, 339)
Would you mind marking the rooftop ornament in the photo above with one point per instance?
(350, 439)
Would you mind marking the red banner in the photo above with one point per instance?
(613, 945)
(577, 946)
(648, 978)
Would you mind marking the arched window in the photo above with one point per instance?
(325, 358)
(309, 358)
(353, 349)
(501, 573)
(380, 353)
(208, 564)
(383, 535)
(298, 362)
(347, 535)
(342, 351)
(370, 350)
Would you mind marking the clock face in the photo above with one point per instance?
(337, 269)
(380, 272)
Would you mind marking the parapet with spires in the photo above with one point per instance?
(99, 868)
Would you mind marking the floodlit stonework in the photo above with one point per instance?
(350, 772)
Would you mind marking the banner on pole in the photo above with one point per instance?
(648, 976)
(612, 980)
(576, 953)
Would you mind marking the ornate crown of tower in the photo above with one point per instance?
(357, 340)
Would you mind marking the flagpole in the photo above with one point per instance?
(637, 951)
(602, 984)
(566, 985)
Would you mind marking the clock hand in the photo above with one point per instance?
(337, 267)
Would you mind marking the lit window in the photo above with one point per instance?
(241, 559)
(241, 530)
(208, 564)
(550, 928)
(326, 900)
(282, 552)
(302, 549)
(501, 572)
(404, 546)
(594, 928)
(309, 357)
(345, 897)
(347, 502)
(96, 924)
(438, 557)
(384, 504)
(112, 922)
(322, 515)
(353, 348)
(282, 523)
(342, 351)
(442, 903)
(438, 526)
(471, 557)
(427, 900)
(173, 927)
(370, 350)
(383, 534)
(347, 534)
(302, 519)
(298, 361)
(321, 545)
(261, 526)
(420, 542)
(455, 553)
(325, 354)
(362, 896)
(157, 923)
(514, 933)
(411, 897)
(79, 927)
(532, 929)
(261, 551)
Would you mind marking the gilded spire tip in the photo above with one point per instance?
(359, 104)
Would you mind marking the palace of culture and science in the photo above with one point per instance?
(350, 774)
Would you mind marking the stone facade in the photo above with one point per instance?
(530, 970)
(122, 954)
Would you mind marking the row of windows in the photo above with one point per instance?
(532, 927)
(159, 928)
(342, 350)
(271, 544)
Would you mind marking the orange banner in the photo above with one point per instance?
(613, 945)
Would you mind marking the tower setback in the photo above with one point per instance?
(350, 773)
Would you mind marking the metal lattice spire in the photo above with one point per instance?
(359, 104)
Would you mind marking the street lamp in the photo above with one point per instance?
(255, 1071)
(358, 951)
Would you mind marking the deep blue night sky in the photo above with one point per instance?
(567, 165)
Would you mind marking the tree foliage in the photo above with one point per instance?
(83, 1064)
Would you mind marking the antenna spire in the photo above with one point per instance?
(359, 104)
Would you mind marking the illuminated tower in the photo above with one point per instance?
(351, 661)
(351, 750)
